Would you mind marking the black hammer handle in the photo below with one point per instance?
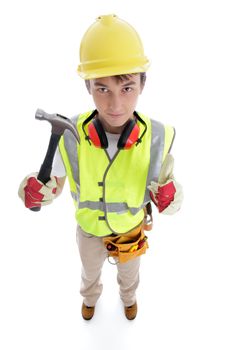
(46, 167)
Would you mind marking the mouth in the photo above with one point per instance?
(115, 115)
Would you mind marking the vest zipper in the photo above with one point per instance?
(108, 156)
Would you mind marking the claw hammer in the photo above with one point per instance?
(59, 125)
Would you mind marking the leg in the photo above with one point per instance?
(128, 279)
(92, 254)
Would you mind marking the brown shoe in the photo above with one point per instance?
(87, 312)
(131, 311)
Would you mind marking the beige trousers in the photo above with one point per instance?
(93, 254)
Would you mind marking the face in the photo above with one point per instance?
(115, 100)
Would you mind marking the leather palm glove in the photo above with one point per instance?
(167, 193)
(34, 193)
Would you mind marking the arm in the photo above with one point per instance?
(60, 185)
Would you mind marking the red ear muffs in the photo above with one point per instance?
(97, 134)
(128, 138)
(129, 135)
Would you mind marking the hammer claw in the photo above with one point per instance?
(59, 123)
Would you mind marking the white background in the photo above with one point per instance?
(185, 295)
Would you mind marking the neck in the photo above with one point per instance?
(109, 128)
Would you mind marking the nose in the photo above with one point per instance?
(115, 103)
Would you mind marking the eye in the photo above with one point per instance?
(127, 89)
(103, 90)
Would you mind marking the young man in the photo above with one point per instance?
(121, 163)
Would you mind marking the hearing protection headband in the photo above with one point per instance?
(99, 132)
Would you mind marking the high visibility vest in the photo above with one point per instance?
(110, 194)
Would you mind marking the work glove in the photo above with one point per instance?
(167, 193)
(34, 193)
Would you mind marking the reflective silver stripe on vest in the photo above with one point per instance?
(72, 151)
(156, 155)
(110, 207)
(75, 196)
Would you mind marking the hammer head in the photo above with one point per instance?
(59, 123)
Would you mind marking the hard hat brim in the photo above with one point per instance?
(111, 71)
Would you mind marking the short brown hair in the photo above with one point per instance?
(123, 77)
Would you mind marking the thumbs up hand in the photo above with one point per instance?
(166, 194)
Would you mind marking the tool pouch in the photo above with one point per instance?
(128, 246)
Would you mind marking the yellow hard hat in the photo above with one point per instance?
(110, 47)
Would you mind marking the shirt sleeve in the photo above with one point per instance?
(58, 168)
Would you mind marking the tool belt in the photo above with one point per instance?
(128, 246)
